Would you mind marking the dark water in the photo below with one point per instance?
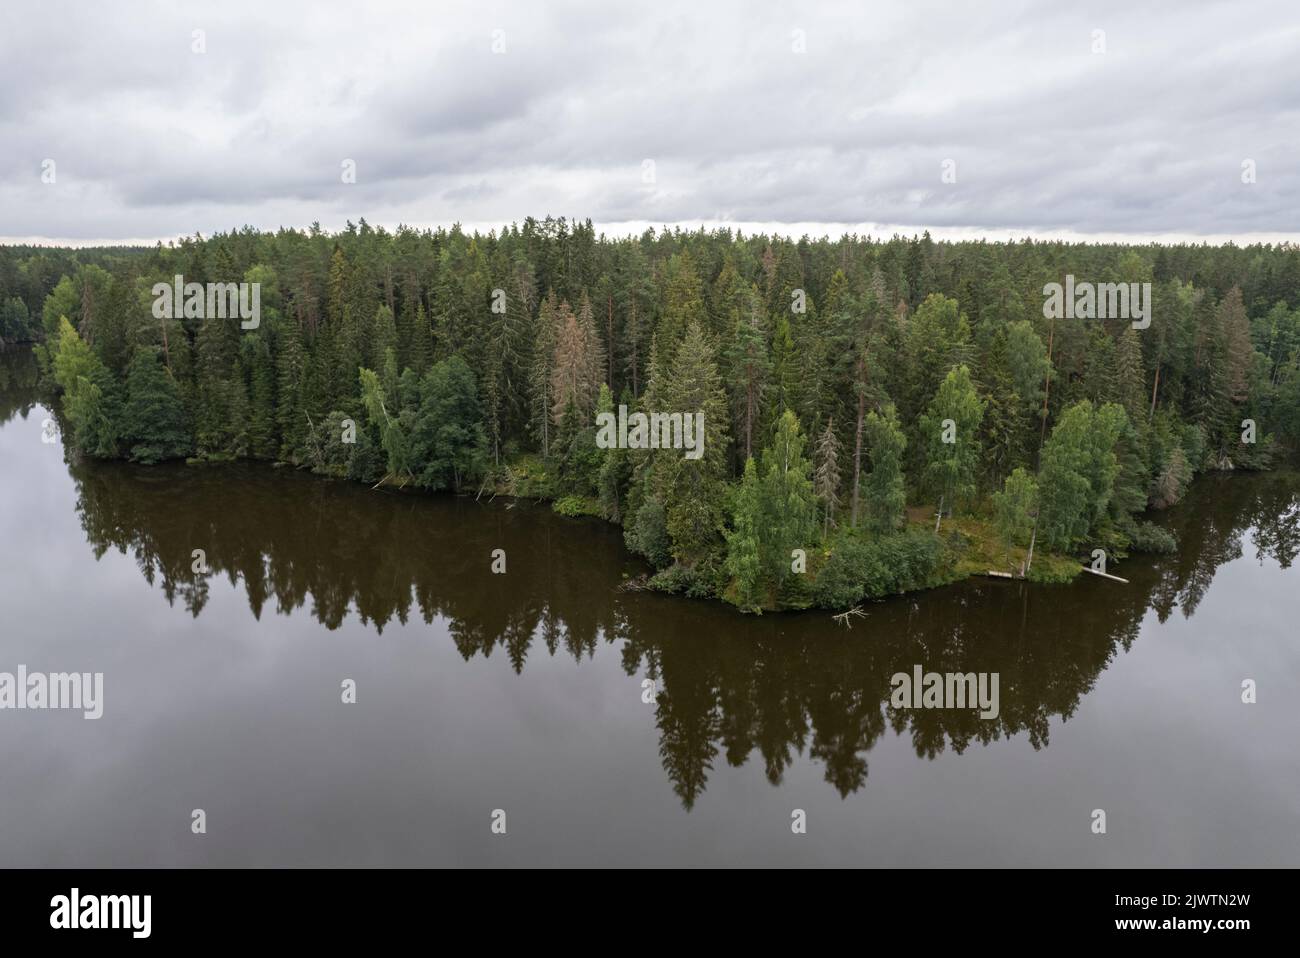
(523, 691)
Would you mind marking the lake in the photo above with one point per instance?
(611, 727)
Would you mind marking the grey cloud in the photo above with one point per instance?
(152, 140)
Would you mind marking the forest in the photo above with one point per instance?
(879, 415)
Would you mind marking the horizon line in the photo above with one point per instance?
(789, 230)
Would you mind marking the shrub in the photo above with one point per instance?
(695, 583)
(647, 533)
(872, 568)
(574, 506)
(1149, 537)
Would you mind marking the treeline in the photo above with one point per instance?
(840, 381)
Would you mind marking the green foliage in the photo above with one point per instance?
(692, 490)
(860, 568)
(580, 460)
(1079, 471)
(789, 512)
(330, 452)
(1028, 365)
(938, 341)
(748, 369)
(1014, 509)
(647, 534)
(401, 333)
(437, 438)
(17, 325)
(1052, 570)
(744, 543)
(448, 445)
(392, 435)
(1149, 537)
(153, 423)
(951, 430)
(92, 398)
(367, 462)
(884, 489)
(574, 506)
(695, 582)
(826, 473)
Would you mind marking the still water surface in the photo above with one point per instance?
(524, 691)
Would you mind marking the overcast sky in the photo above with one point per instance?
(800, 117)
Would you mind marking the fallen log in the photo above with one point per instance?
(1104, 575)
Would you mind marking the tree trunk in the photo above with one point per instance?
(1047, 390)
(609, 327)
(167, 356)
(857, 446)
(636, 380)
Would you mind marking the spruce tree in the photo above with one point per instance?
(826, 474)
(153, 422)
(691, 490)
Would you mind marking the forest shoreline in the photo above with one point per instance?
(1064, 569)
(880, 416)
